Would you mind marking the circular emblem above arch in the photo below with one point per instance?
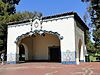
(40, 32)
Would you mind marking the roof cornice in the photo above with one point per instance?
(55, 16)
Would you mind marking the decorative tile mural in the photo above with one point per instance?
(68, 56)
(11, 57)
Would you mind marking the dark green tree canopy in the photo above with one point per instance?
(94, 11)
(7, 8)
(20, 16)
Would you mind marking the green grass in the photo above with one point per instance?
(92, 57)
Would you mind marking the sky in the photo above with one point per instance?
(52, 7)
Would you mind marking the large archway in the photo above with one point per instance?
(21, 53)
(42, 47)
(80, 48)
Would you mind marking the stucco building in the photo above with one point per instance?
(55, 38)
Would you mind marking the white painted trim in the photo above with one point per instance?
(58, 18)
(20, 24)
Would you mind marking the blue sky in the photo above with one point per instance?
(50, 7)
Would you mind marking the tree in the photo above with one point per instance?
(94, 12)
(7, 7)
(20, 16)
(89, 43)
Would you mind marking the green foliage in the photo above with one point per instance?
(20, 16)
(95, 18)
(94, 12)
(1, 33)
(1, 42)
(89, 43)
(7, 8)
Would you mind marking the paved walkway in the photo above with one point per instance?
(92, 68)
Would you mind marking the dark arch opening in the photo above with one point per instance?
(21, 53)
(79, 47)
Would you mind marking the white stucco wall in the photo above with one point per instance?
(13, 32)
(79, 37)
(63, 25)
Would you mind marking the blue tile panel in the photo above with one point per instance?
(70, 62)
(81, 60)
(11, 62)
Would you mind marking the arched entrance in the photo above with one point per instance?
(21, 53)
(41, 46)
(80, 48)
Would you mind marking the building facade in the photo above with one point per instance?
(56, 38)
